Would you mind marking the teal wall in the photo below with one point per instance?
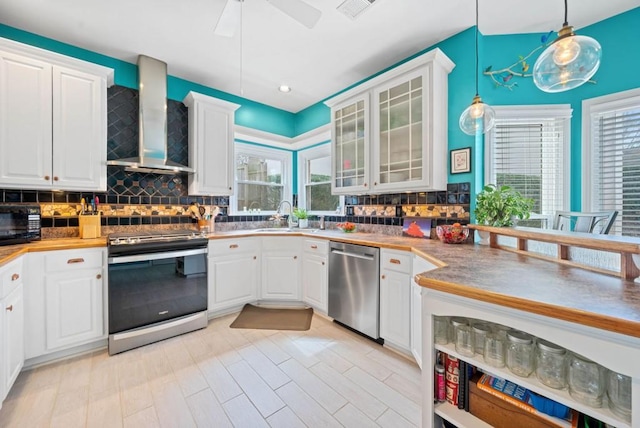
(619, 37)
(251, 114)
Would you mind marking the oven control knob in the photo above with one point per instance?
(131, 240)
(115, 241)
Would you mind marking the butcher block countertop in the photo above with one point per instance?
(474, 271)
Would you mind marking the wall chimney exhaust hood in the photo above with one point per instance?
(152, 84)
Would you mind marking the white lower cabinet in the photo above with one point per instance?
(11, 325)
(65, 300)
(234, 272)
(315, 273)
(281, 265)
(395, 298)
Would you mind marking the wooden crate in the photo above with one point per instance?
(498, 412)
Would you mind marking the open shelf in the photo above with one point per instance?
(459, 417)
(560, 395)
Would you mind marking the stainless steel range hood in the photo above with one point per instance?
(152, 83)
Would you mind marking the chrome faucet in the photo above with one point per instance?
(278, 215)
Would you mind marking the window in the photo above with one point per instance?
(611, 158)
(314, 166)
(263, 178)
(528, 150)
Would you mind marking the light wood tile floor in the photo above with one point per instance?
(222, 377)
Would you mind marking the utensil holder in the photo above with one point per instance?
(89, 226)
(206, 226)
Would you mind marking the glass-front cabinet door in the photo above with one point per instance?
(350, 136)
(400, 139)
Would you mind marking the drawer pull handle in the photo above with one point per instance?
(78, 260)
(383, 276)
(15, 277)
(98, 276)
(394, 261)
(232, 246)
(10, 308)
(314, 247)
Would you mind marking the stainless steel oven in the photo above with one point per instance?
(157, 287)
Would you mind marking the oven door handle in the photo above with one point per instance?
(156, 256)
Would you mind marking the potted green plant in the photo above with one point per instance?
(499, 206)
(302, 215)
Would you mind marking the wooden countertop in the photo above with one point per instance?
(473, 271)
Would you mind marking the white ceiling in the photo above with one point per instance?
(277, 50)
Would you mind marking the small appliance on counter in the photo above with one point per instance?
(19, 223)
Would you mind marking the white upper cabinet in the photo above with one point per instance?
(53, 120)
(390, 133)
(210, 144)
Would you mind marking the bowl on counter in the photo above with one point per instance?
(453, 233)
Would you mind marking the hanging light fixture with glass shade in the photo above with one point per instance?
(478, 117)
(568, 62)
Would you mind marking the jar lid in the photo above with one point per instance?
(456, 321)
(550, 347)
(519, 336)
(439, 368)
(481, 327)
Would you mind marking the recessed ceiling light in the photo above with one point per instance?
(284, 88)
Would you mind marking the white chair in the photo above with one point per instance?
(588, 222)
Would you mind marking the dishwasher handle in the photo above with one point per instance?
(356, 255)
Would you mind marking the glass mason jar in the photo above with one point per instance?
(520, 353)
(551, 367)
(619, 394)
(480, 331)
(453, 323)
(441, 330)
(464, 340)
(587, 380)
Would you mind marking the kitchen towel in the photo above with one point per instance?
(273, 318)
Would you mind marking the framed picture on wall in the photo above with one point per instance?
(461, 160)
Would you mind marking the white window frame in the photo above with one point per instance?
(619, 100)
(304, 156)
(285, 156)
(529, 114)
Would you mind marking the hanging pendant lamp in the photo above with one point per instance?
(568, 62)
(478, 117)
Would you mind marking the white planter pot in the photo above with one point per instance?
(303, 223)
(483, 237)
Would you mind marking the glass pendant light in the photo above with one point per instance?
(478, 116)
(568, 62)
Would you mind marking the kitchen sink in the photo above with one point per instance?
(283, 230)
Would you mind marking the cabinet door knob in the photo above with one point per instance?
(232, 246)
(230, 188)
(15, 277)
(46, 177)
(322, 263)
(295, 257)
(394, 261)
(55, 178)
(375, 183)
(254, 257)
(98, 276)
(365, 184)
(78, 260)
(10, 308)
(383, 276)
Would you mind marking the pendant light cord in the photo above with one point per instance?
(241, 31)
(477, 47)
(566, 19)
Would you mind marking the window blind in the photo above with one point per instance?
(615, 156)
(528, 155)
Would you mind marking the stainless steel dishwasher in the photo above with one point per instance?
(354, 287)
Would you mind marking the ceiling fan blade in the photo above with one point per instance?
(229, 19)
(300, 11)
